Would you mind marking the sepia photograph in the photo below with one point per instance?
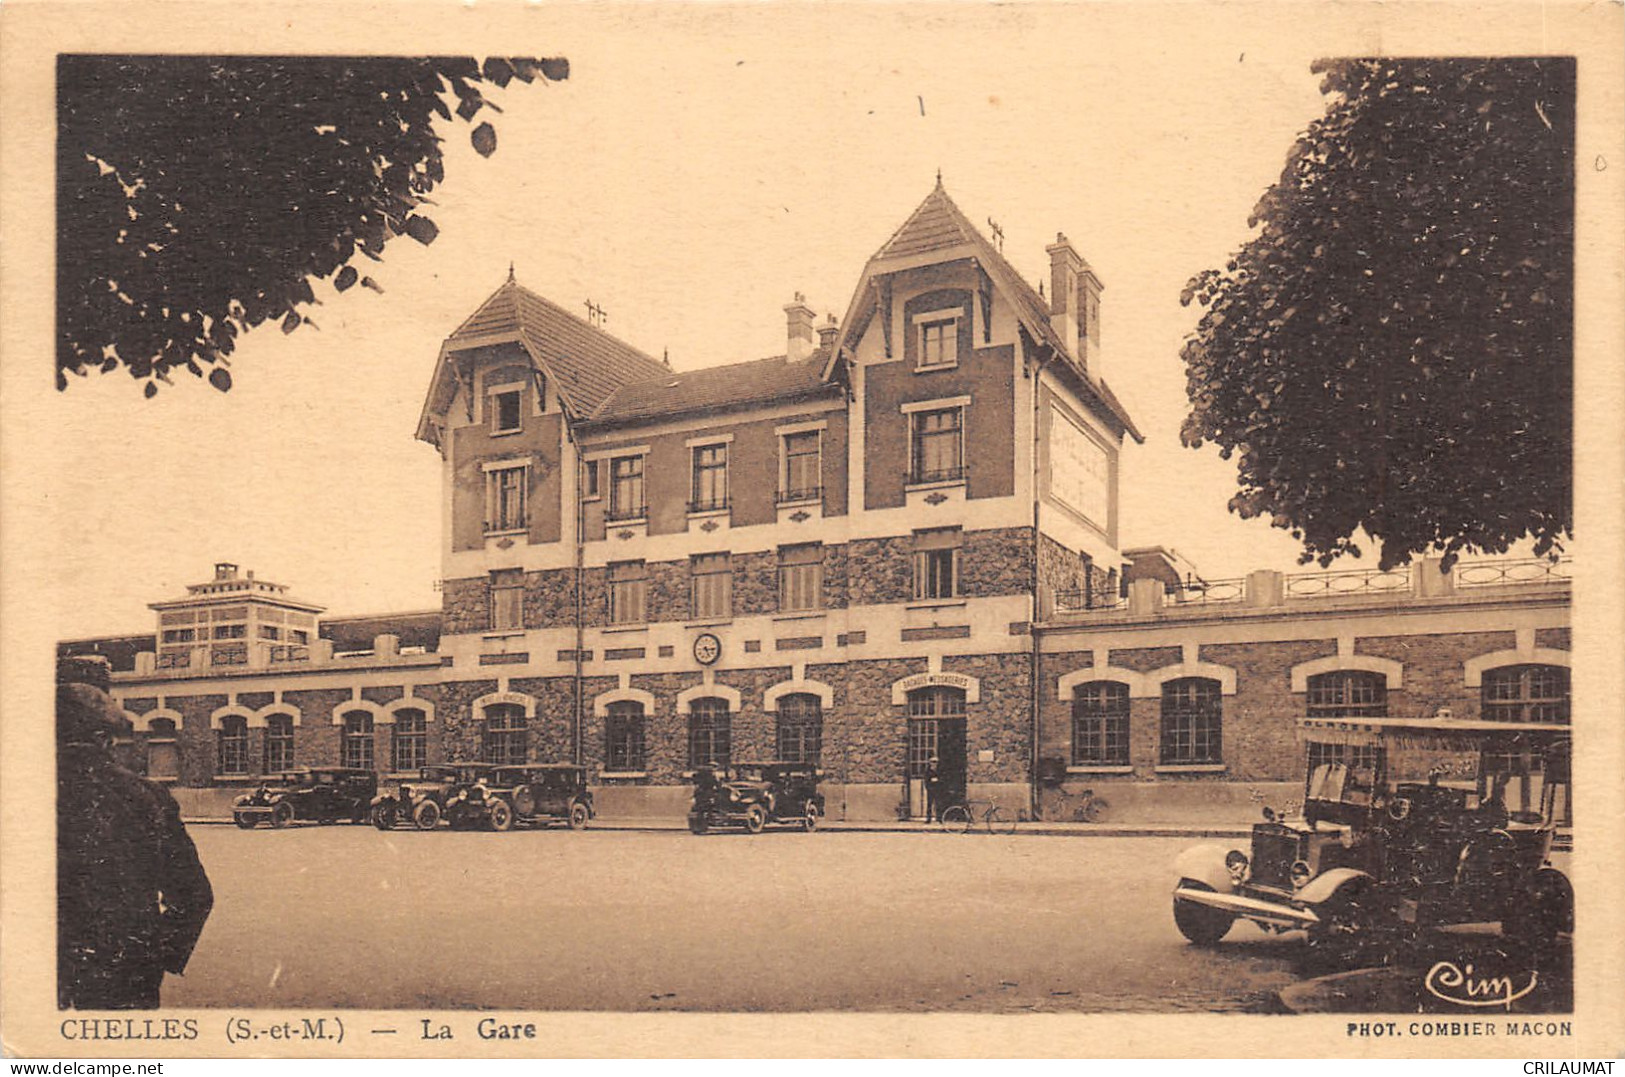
(787, 512)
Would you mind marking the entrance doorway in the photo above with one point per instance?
(936, 730)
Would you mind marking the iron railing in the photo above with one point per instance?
(1078, 599)
(919, 476)
(810, 493)
(1209, 592)
(1512, 573)
(1353, 582)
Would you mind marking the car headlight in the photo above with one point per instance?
(1235, 861)
(1300, 874)
(733, 795)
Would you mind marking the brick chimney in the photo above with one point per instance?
(799, 322)
(826, 333)
(1064, 267)
(1075, 303)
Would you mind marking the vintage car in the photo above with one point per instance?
(753, 795)
(312, 794)
(422, 800)
(529, 793)
(1406, 824)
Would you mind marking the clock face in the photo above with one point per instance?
(707, 649)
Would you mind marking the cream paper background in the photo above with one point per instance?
(50, 541)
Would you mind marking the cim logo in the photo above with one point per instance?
(1451, 982)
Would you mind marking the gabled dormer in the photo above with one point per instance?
(507, 384)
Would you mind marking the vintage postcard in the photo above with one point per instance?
(785, 529)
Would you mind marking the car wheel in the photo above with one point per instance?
(755, 818)
(1201, 924)
(247, 822)
(282, 814)
(501, 815)
(383, 816)
(579, 815)
(1539, 914)
(1348, 927)
(696, 824)
(426, 816)
(809, 816)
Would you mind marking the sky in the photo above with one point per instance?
(699, 167)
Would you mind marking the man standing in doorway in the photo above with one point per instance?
(933, 790)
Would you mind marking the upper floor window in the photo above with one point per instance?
(801, 577)
(507, 599)
(1192, 722)
(504, 734)
(504, 409)
(1100, 724)
(1348, 693)
(355, 747)
(270, 632)
(936, 563)
(278, 743)
(711, 585)
(233, 741)
(939, 341)
(505, 497)
(1531, 693)
(409, 744)
(623, 731)
(800, 732)
(180, 635)
(709, 733)
(628, 588)
(709, 489)
(937, 450)
(230, 631)
(589, 480)
(626, 488)
(800, 477)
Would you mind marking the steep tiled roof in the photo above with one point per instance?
(587, 363)
(714, 388)
(937, 224)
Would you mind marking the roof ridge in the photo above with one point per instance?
(584, 323)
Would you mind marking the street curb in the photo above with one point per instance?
(1041, 830)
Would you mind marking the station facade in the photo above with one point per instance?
(895, 543)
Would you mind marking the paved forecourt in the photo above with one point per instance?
(343, 916)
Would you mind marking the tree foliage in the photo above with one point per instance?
(198, 197)
(1393, 349)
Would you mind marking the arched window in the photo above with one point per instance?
(623, 733)
(504, 733)
(278, 742)
(163, 754)
(233, 740)
(1192, 722)
(355, 746)
(927, 707)
(1530, 693)
(409, 742)
(1100, 724)
(800, 728)
(1348, 693)
(709, 732)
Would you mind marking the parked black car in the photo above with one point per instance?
(421, 801)
(530, 793)
(753, 795)
(311, 794)
(1379, 855)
